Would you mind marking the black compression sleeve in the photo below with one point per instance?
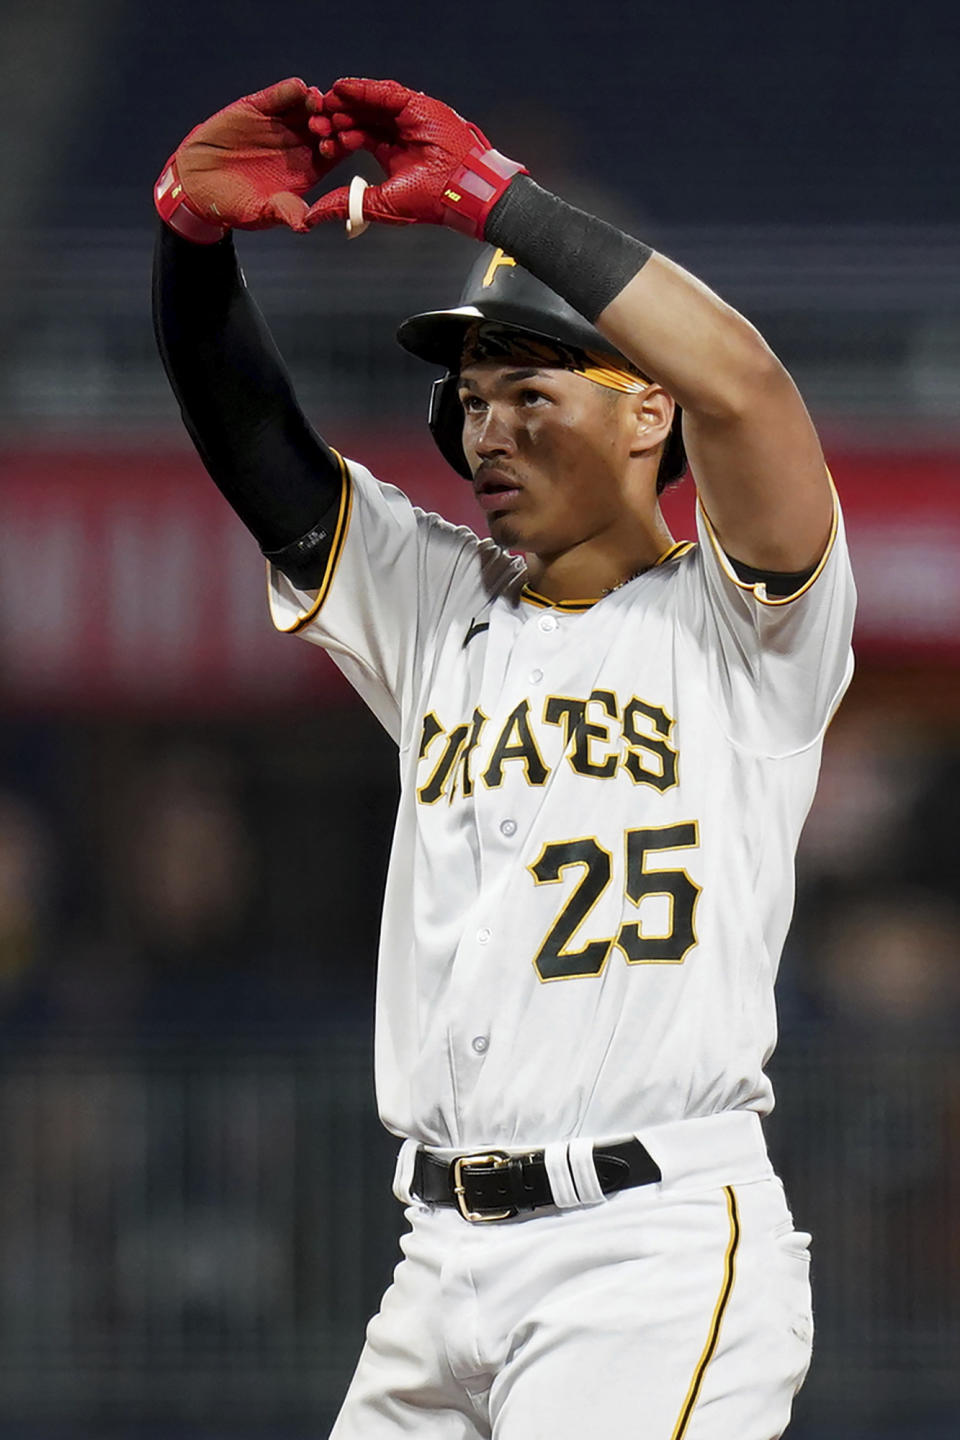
(780, 583)
(238, 404)
(582, 258)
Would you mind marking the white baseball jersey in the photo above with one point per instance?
(592, 870)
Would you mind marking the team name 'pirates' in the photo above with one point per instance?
(600, 738)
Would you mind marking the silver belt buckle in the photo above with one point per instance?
(494, 1160)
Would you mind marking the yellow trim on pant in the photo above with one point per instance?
(729, 1269)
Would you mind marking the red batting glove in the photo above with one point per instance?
(441, 170)
(249, 165)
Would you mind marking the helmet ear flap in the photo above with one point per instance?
(445, 419)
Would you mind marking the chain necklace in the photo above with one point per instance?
(620, 583)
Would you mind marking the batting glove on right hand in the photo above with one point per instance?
(249, 165)
(441, 170)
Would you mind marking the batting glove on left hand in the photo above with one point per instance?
(441, 170)
(249, 165)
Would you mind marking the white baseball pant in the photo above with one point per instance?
(674, 1311)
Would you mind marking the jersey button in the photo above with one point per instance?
(536, 676)
(548, 623)
(508, 827)
(483, 935)
(480, 1043)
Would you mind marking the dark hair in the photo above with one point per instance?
(673, 461)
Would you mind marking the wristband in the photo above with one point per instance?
(175, 211)
(475, 187)
(583, 259)
(355, 221)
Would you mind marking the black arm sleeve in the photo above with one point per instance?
(780, 583)
(582, 258)
(239, 407)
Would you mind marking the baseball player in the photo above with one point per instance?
(608, 743)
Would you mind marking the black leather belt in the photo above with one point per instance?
(491, 1185)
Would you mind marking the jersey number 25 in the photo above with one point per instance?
(555, 961)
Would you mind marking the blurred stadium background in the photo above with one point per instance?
(195, 1218)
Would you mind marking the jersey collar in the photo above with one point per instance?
(533, 597)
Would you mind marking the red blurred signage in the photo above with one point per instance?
(125, 579)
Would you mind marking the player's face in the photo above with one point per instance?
(549, 451)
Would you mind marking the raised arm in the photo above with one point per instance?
(753, 449)
(246, 167)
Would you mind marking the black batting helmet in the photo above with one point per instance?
(499, 289)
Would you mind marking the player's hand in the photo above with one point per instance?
(250, 165)
(440, 169)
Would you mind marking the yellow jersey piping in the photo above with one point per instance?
(336, 548)
(533, 597)
(731, 574)
(680, 548)
(726, 1288)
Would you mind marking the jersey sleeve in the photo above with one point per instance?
(395, 577)
(776, 667)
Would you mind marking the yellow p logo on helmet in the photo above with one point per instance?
(497, 259)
